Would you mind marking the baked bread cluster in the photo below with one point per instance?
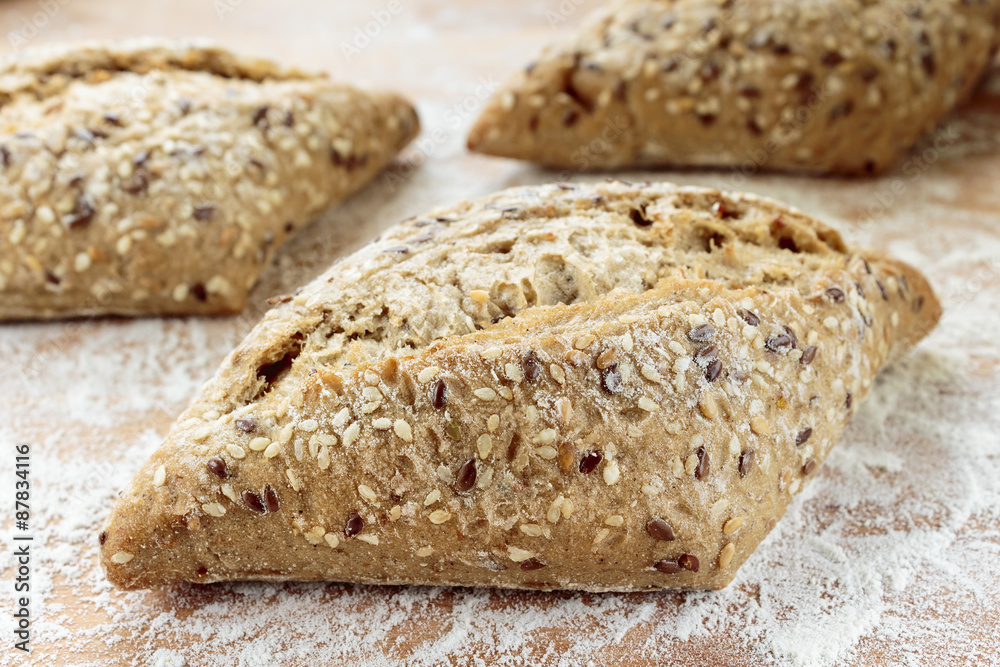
(599, 387)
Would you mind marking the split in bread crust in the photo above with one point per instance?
(597, 387)
(821, 86)
(156, 177)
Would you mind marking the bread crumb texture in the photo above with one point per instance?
(598, 387)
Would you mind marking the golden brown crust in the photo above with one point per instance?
(817, 86)
(151, 177)
(363, 434)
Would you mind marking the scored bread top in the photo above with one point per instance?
(534, 389)
(161, 177)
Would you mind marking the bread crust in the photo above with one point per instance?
(818, 86)
(384, 425)
(151, 177)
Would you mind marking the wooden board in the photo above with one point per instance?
(891, 557)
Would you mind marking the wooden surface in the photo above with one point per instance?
(910, 571)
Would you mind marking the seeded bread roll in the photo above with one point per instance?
(608, 388)
(823, 86)
(156, 177)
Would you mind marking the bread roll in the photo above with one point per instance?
(153, 177)
(600, 387)
(819, 86)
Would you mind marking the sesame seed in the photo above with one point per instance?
(308, 425)
(557, 373)
(506, 393)
(760, 426)
(439, 516)
(229, 492)
(607, 358)
(428, 374)
(648, 404)
(677, 467)
(444, 474)
(367, 493)
(370, 394)
(484, 445)
(718, 507)
(708, 406)
(351, 434)
(395, 512)
(733, 525)
(566, 508)
(272, 450)
(285, 434)
(382, 424)
(545, 437)
(432, 498)
(493, 423)
(513, 372)
(203, 432)
(323, 459)
(602, 535)
(485, 394)
(292, 479)
(614, 520)
(122, 557)
(583, 342)
(611, 473)
(490, 353)
(424, 552)
(403, 430)
(726, 555)
(214, 509)
(341, 418)
(734, 446)
(326, 439)
(259, 444)
(554, 513)
(650, 373)
(332, 539)
(519, 555)
(370, 539)
(547, 453)
(81, 262)
(531, 529)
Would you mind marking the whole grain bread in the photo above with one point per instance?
(160, 177)
(823, 86)
(598, 387)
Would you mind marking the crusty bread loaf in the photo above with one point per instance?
(608, 387)
(824, 86)
(159, 177)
